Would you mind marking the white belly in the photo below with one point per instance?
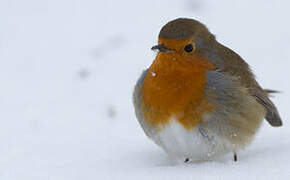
(194, 144)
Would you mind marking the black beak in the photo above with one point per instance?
(161, 48)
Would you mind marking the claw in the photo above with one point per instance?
(235, 157)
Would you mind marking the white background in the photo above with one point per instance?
(67, 72)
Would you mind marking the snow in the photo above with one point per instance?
(67, 72)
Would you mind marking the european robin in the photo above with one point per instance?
(199, 100)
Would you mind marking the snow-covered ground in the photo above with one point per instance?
(67, 72)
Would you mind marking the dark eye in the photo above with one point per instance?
(188, 48)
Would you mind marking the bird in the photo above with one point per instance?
(199, 100)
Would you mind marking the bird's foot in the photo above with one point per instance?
(186, 160)
(235, 157)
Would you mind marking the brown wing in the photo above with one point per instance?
(236, 66)
(272, 115)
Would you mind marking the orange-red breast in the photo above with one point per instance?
(199, 99)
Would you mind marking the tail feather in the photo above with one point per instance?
(271, 91)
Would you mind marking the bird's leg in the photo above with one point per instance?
(235, 157)
(186, 160)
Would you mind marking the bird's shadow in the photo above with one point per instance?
(157, 158)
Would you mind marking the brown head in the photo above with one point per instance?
(188, 38)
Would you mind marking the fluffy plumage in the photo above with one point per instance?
(209, 95)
